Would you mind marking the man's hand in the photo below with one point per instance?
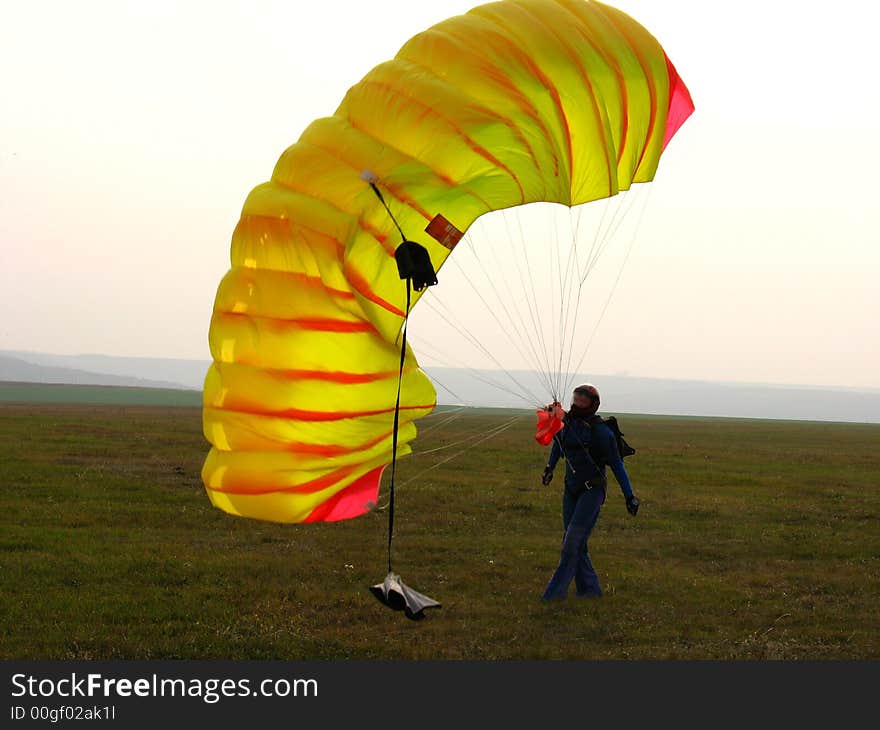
(632, 504)
(547, 476)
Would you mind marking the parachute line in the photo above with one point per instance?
(479, 376)
(531, 295)
(491, 311)
(571, 374)
(397, 417)
(385, 205)
(445, 422)
(447, 389)
(492, 434)
(437, 414)
(475, 341)
(533, 325)
(539, 368)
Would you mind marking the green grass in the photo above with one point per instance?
(756, 539)
(96, 394)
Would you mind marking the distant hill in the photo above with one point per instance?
(160, 372)
(621, 394)
(17, 370)
(627, 394)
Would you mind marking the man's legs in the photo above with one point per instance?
(579, 516)
(585, 580)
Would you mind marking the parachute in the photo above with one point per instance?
(514, 102)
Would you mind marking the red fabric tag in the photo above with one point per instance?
(443, 231)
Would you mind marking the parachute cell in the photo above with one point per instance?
(515, 102)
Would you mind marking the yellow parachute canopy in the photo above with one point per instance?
(515, 102)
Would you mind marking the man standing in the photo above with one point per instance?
(587, 445)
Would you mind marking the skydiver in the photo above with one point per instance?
(587, 445)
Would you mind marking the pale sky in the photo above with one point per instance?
(131, 133)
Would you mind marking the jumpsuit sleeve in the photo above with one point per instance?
(616, 463)
(555, 453)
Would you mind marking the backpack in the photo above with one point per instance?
(623, 448)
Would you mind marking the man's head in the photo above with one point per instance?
(585, 398)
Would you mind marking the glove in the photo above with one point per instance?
(547, 476)
(632, 504)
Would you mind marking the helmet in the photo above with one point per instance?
(590, 390)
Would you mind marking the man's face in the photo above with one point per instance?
(581, 400)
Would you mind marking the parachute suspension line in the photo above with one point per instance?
(573, 275)
(464, 332)
(636, 195)
(557, 296)
(492, 312)
(530, 293)
(566, 284)
(494, 432)
(564, 275)
(519, 321)
(449, 317)
(550, 298)
(448, 390)
(445, 422)
(469, 436)
(476, 373)
(600, 236)
(570, 375)
(396, 425)
(571, 315)
(602, 239)
(620, 214)
(491, 434)
(530, 269)
(391, 215)
(437, 414)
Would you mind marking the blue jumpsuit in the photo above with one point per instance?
(581, 502)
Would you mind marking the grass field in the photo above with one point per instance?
(756, 539)
(96, 395)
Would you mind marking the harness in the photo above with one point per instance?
(596, 457)
(598, 479)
